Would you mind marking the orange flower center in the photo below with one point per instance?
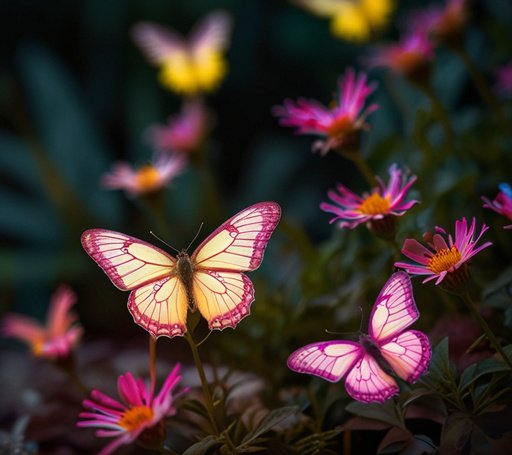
(147, 177)
(341, 125)
(37, 346)
(135, 417)
(444, 259)
(374, 205)
(407, 61)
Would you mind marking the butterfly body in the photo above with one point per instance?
(388, 351)
(211, 280)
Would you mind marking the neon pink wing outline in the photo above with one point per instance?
(394, 310)
(408, 354)
(329, 360)
(156, 42)
(369, 383)
(127, 261)
(239, 243)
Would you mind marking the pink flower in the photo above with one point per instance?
(502, 204)
(338, 124)
(184, 132)
(148, 178)
(60, 335)
(410, 57)
(504, 80)
(140, 414)
(384, 201)
(443, 259)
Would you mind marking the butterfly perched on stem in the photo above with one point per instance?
(187, 65)
(385, 352)
(210, 280)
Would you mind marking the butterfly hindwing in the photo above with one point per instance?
(223, 298)
(394, 309)
(128, 262)
(160, 307)
(329, 360)
(239, 243)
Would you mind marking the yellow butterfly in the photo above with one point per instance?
(354, 20)
(192, 65)
(210, 280)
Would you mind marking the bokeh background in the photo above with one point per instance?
(76, 95)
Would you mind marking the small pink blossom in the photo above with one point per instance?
(351, 210)
(504, 80)
(445, 257)
(502, 204)
(184, 132)
(146, 179)
(140, 411)
(60, 335)
(409, 57)
(337, 124)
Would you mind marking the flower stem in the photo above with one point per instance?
(441, 114)
(363, 168)
(487, 330)
(204, 382)
(68, 366)
(152, 362)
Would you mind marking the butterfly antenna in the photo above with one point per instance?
(362, 317)
(195, 236)
(165, 243)
(338, 333)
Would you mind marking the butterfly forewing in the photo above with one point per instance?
(394, 309)
(128, 262)
(329, 360)
(239, 243)
(408, 354)
(158, 43)
(212, 33)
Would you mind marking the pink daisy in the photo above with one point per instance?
(384, 201)
(184, 132)
(139, 415)
(148, 178)
(339, 124)
(502, 204)
(444, 259)
(58, 338)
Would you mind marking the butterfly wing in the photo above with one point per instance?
(158, 43)
(160, 307)
(329, 360)
(368, 382)
(222, 294)
(394, 309)
(212, 32)
(408, 354)
(128, 262)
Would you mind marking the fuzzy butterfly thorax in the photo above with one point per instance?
(185, 272)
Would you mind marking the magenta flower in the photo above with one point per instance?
(184, 132)
(58, 338)
(504, 80)
(502, 204)
(139, 415)
(337, 124)
(384, 201)
(148, 178)
(410, 57)
(445, 259)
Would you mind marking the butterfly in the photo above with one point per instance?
(386, 351)
(210, 280)
(188, 65)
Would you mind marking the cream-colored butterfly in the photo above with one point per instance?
(354, 20)
(187, 65)
(164, 287)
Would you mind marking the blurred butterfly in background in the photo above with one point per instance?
(385, 352)
(210, 280)
(355, 20)
(187, 65)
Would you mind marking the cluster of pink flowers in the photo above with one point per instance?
(502, 204)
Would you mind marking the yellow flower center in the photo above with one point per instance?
(147, 177)
(135, 417)
(37, 346)
(444, 259)
(374, 205)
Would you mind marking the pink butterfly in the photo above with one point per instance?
(210, 280)
(386, 350)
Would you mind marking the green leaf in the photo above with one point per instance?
(383, 412)
(196, 407)
(269, 422)
(204, 446)
(477, 370)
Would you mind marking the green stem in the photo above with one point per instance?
(204, 382)
(487, 330)
(68, 366)
(363, 167)
(152, 361)
(441, 114)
